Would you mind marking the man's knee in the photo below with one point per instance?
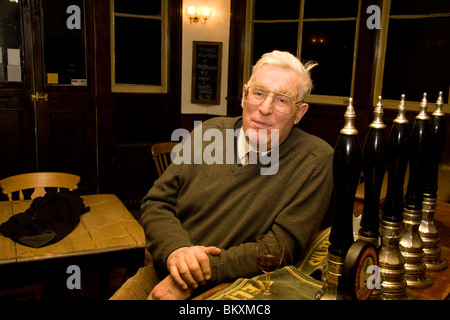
(139, 286)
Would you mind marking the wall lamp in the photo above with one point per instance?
(198, 14)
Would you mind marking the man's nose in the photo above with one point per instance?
(266, 107)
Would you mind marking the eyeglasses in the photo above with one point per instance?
(281, 102)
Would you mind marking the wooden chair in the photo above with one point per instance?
(37, 181)
(161, 153)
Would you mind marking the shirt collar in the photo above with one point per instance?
(241, 146)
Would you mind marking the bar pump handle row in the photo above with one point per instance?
(403, 257)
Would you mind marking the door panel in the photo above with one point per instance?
(17, 131)
(16, 142)
(66, 135)
(57, 128)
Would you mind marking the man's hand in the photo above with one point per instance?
(167, 289)
(189, 266)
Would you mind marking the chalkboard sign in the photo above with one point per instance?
(206, 72)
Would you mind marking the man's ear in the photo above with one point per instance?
(301, 112)
(243, 96)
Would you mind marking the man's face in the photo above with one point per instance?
(277, 79)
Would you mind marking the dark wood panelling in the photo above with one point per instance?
(17, 139)
(12, 142)
(236, 57)
(68, 142)
(104, 98)
(6, 102)
(16, 133)
(175, 62)
(324, 122)
(140, 118)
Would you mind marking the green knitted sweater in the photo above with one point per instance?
(228, 206)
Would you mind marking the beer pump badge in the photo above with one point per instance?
(359, 271)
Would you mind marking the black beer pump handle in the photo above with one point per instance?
(374, 167)
(438, 136)
(397, 162)
(346, 172)
(419, 151)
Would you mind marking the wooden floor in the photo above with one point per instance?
(55, 287)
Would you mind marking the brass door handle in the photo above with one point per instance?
(39, 96)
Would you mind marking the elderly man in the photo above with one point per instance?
(201, 219)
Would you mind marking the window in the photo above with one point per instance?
(64, 47)
(415, 52)
(138, 46)
(322, 31)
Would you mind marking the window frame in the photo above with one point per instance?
(381, 59)
(312, 98)
(139, 88)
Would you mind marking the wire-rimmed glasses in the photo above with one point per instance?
(282, 103)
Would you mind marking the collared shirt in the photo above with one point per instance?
(244, 147)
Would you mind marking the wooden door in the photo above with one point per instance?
(61, 95)
(17, 138)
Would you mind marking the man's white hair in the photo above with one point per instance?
(287, 60)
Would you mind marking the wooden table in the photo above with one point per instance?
(108, 236)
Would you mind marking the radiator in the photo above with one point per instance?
(135, 172)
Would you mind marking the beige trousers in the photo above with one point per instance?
(139, 286)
